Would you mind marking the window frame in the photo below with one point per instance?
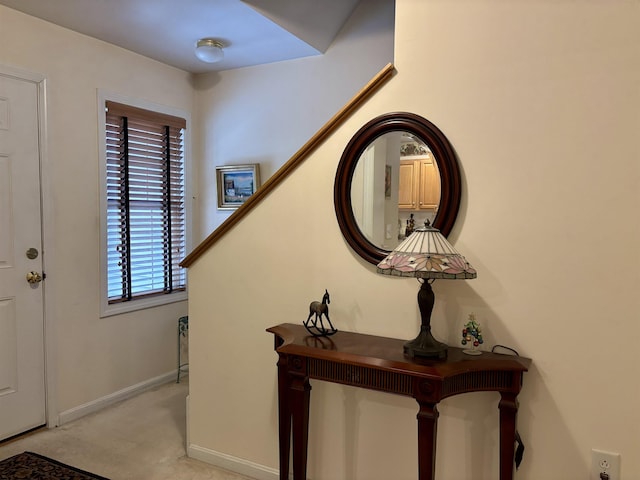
(143, 302)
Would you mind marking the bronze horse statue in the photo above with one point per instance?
(316, 327)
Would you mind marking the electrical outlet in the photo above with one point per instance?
(604, 465)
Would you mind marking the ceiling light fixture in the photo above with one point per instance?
(209, 50)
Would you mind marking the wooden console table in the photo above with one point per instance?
(378, 363)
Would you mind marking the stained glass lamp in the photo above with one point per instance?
(426, 254)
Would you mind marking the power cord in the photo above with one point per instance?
(493, 349)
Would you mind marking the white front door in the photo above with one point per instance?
(22, 380)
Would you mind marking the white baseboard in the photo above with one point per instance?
(100, 403)
(233, 464)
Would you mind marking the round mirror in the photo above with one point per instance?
(396, 172)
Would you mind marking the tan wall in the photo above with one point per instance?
(94, 356)
(540, 101)
(264, 114)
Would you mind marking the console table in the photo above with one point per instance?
(378, 363)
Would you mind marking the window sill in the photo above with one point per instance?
(141, 304)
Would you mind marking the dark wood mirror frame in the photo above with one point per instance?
(445, 158)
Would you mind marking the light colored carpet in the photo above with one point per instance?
(142, 438)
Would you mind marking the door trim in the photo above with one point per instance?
(46, 224)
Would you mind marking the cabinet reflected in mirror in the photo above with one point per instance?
(395, 187)
(397, 169)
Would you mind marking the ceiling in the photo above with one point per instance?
(254, 32)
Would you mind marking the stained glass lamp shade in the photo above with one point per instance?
(426, 254)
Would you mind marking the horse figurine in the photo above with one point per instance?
(316, 327)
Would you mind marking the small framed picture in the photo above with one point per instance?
(236, 183)
(387, 180)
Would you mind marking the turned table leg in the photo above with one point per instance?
(427, 431)
(300, 393)
(508, 411)
(284, 418)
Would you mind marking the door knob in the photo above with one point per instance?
(34, 277)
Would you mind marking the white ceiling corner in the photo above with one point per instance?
(316, 23)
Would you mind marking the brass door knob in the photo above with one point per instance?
(34, 277)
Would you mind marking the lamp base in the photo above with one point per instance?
(424, 345)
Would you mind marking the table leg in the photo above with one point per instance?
(427, 432)
(300, 392)
(508, 411)
(284, 417)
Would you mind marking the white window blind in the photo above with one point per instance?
(145, 203)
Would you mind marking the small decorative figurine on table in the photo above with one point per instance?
(316, 327)
(472, 334)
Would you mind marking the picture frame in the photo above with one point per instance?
(387, 181)
(236, 183)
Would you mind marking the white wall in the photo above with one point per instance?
(540, 100)
(264, 114)
(94, 357)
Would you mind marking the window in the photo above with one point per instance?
(145, 203)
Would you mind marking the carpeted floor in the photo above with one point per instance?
(29, 465)
(142, 438)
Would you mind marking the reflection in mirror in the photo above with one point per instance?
(398, 168)
(395, 187)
